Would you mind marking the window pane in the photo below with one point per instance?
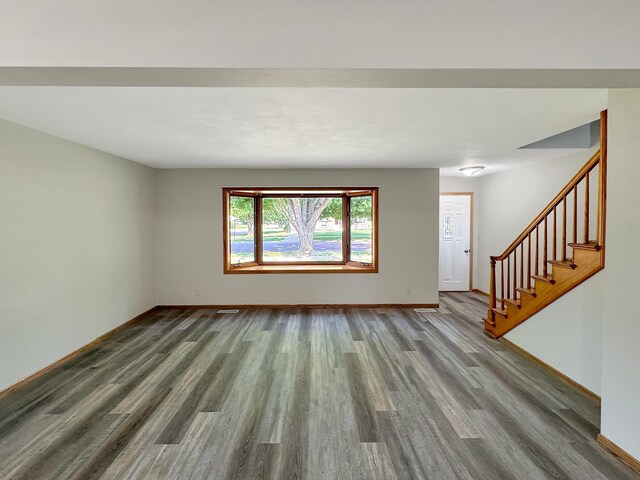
(361, 229)
(302, 229)
(447, 226)
(241, 219)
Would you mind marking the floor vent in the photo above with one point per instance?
(229, 310)
(425, 310)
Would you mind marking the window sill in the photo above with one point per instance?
(301, 269)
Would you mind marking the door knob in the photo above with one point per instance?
(467, 251)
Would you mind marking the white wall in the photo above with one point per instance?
(76, 247)
(509, 201)
(621, 339)
(189, 240)
(467, 184)
(568, 334)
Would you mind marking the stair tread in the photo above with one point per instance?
(586, 246)
(568, 263)
(489, 321)
(514, 302)
(528, 291)
(542, 278)
(500, 311)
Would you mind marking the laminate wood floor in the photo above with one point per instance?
(288, 394)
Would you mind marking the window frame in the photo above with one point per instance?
(259, 266)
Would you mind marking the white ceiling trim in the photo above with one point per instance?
(318, 78)
(592, 34)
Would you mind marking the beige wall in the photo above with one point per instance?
(621, 339)
(189, 240)
(76, 248)
(568, 333)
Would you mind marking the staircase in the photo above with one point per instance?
(549, 258)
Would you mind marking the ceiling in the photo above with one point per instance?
(125, 107)
(592, 34)
(297, 127)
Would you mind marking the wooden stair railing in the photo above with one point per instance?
(521, 282)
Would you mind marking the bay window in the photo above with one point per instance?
(300, 230)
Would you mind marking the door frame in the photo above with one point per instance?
(471, 240)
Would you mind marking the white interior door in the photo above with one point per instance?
(455, 242)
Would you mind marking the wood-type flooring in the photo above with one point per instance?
(306, 393)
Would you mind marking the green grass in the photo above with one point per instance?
(355, 234)
(279, 235)
(317, 256)
(274, 236)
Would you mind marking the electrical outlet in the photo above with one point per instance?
(197, 293)
(408, 292)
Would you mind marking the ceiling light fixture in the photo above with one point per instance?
(471, 171)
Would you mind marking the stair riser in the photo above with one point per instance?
(585, 257)
(498, 318)
(542, 288)
(511, 310)
(562, 274)
(525, 300)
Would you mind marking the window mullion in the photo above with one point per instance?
(257, 238)
(346, 228)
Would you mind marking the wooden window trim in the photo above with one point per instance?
(258, 266)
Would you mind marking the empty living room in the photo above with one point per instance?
(319, 240)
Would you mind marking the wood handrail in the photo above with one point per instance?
(582, 173)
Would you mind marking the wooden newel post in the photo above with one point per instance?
(492, 291)
(602, 181)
